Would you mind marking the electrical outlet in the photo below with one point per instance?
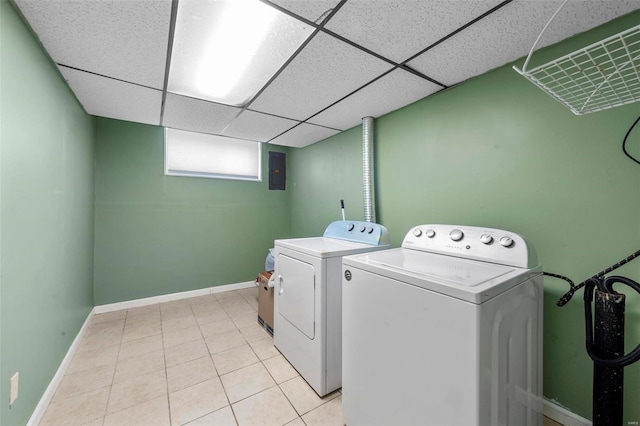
(14, 389)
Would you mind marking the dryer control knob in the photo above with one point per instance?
(363, 228)
(456, 235)
(370, 230)
(350, 227)
(430, 233)
(417, 232)
(486, 239)
(506, 241)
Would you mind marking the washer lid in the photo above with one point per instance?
(326, 247)
(470, 280)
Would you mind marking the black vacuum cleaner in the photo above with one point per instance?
(605, 340)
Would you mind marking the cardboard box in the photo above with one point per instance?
(265, 301)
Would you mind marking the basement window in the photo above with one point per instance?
(210, 156)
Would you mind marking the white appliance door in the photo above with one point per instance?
(409, 355)
(295, 285)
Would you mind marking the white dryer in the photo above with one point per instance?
(308, 298)
(446, 330)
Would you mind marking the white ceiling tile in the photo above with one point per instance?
(325, 71)
(400, 29)
(393, 91)
(126, 40)
(259, 127)
(303, 135)
(314, 10)
(106, 97)
(196, 115)
(509, 33)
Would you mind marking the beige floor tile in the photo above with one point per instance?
(174, 310)
(142, 319)
(196, 401)
(210, 316)
(154, 412)
(178, 337)
(84, 381)
(190, 373)
(88, 360)
(137, 331)
(329, 414)
(264, 348)
(212, 305)
(202, 300)
(84, 408)
(217, 327)
(234, 359)
(185, 352)
(297, 422)
(223, 295)
(225, 341)
(137, 390)
(139, 365)
(142, 346)
(233, 309)
(179, 323)
(141, 311)
(269, 407)
(302, 396)
(245, 319)
(93, 340)
(254, 332)
(105, 328)
(108, 316)
(222, 417)
(280, 369)
(246, 381)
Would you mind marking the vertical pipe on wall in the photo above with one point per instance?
(367, 169)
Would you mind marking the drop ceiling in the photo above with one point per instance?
(362, 58)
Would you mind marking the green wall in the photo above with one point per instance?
(498, 152)
(46, 225)
(157, 234)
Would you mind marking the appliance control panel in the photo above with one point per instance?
(473, 242)
(359, 232)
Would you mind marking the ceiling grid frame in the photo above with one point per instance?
(53, 22)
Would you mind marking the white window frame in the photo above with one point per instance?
(224, 143)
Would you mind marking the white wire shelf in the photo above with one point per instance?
(600, 76)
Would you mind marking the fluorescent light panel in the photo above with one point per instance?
(226, 50)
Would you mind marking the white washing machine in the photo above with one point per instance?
(446, 330)
(308, 298)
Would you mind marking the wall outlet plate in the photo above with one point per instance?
(14, 389)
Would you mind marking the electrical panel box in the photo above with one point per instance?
(277, 170)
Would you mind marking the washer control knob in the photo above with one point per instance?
(370, 230)
(486, 239)
(430, 233)
(362, 228)
(506, 241)
(350, 227)
(456, 235)
(417, 232)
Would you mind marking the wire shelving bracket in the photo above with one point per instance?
(600, 76)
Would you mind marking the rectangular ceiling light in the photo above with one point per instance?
(226, 50)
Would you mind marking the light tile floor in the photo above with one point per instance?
(199, 361)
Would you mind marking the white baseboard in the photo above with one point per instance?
(38, 413)
(171, 297)
(562, 415)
